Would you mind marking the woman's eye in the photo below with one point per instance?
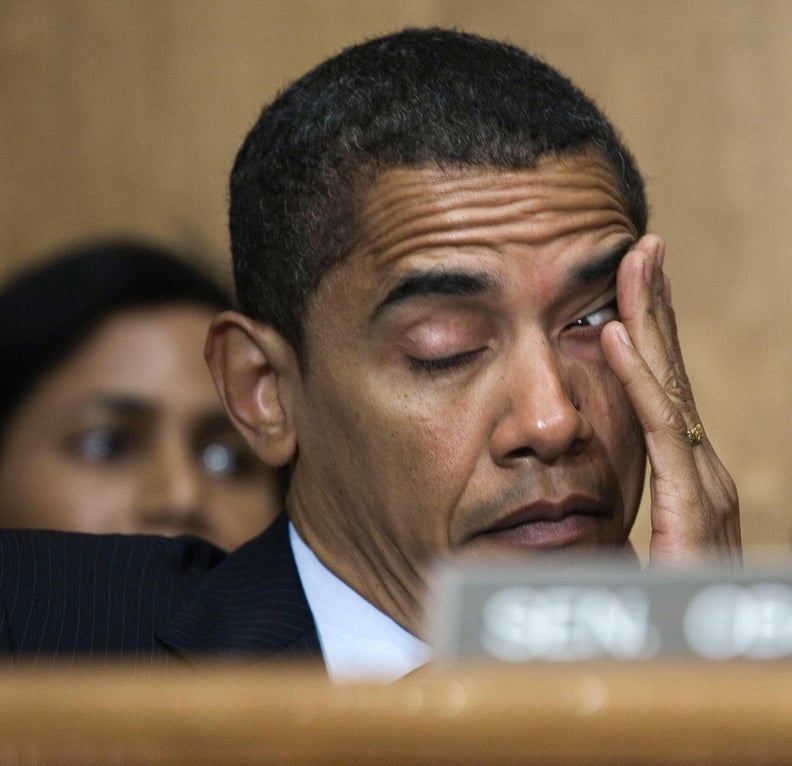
(103, 445)
(437, 364)
(600, 317)
(227, 460)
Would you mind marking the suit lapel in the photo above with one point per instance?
(251, 604)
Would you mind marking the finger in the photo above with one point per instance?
(637, 300)
(662, 422)
(694, 502)
(665, 317)
(642, 293)
(675, 480)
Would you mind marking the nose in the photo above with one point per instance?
(541, 418)
(172, 492)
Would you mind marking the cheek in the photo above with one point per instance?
(432, 444)
(49, 492)
(245, 505)
(94, 500)
(604, 403)
(29, 503)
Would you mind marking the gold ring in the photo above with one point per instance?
(695, 434)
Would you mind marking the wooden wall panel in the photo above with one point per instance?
(125, 115)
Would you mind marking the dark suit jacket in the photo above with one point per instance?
(100, 596)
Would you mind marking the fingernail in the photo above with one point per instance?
(660, 254)
(648, 271)
(624, 336)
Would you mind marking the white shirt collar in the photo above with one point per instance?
(358, 640)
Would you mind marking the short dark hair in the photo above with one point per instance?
(51, 307)
(413, 98)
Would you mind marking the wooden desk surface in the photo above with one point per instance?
(672, 713)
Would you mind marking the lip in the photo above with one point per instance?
(548, 523)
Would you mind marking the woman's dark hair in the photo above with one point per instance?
(49, 309)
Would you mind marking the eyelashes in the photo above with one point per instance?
(438, 364)
(586, 326)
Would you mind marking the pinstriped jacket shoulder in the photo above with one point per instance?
(75, 596)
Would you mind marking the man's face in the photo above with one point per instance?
(456, 398)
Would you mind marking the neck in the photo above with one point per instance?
(384, 581)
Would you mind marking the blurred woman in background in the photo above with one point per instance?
(109, 420)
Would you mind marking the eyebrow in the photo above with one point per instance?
(601, 266)
(449, 283)
(464, 283)
(118, 404)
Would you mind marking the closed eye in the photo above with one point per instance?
(437, 364)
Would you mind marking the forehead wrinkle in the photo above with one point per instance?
(586, 170)
(520, 229)
(410, 210)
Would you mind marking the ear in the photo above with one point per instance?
(253, 368)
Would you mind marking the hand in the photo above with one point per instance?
(695, 510)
